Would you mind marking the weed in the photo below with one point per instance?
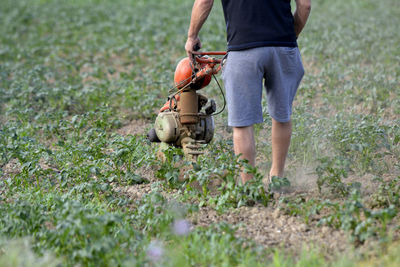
(169, 169)
(216, 175)
(210, 249)
(363, 223)
(387, 194)
(362, 141)
(307, 210)
(330, 174)
(278, 183)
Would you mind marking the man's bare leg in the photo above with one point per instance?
(281, 134)
(244, 144)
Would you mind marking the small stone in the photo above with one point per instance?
(253, 211)
(276, 214)
(325, 230)
(303, 227)
(280, 222)
(292, 237)
(290, 220)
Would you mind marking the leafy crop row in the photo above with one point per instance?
(74, 73)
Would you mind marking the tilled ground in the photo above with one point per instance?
(267, 226)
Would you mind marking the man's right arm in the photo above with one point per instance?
(201, 10)
(303, 8)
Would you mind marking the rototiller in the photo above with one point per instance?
(186, 119)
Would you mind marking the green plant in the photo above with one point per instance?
(330, 174)
(307, 210)
(363, 223)
(207, 248)
(20, 253)
(362, 140)
(278, 183)
(388, 193)
(170, 169)
(77, 76)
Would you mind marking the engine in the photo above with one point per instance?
(186, 119)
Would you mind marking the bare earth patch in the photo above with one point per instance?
(11, 168)
(268, 226)
(136, 127)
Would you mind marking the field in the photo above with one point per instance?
(80, 85)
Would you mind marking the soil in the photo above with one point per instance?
(267, 226)
(11, 168)
(137, 127)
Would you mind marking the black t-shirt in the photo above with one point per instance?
(255, 23)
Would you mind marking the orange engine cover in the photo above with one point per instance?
(184, 73)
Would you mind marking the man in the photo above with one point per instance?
(262, 45)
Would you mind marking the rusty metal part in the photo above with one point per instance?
(188, 107)
(192, 148)
(210, 53)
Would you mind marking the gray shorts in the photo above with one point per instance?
(243, 74)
